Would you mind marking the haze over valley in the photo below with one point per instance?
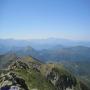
(74, 56)
(44, 45)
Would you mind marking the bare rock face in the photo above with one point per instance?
(22, 75)
(10, 81)
(61, 81)
(18, 64)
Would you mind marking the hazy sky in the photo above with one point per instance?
(27, 19)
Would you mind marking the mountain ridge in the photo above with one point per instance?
(29, 74)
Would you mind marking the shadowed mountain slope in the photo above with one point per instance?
(28, 73)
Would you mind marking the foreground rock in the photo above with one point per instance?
(28, 74)
(10, 81)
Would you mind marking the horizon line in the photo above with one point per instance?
(27, 39)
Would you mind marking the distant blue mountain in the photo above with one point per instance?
(40, 44)
(47, 49)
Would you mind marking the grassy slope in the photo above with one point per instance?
(37, 80)
(34, 80)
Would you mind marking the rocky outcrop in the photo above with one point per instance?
(61, 81)
(24, 65)
(30, 75)
(11, 81)
(18, 65)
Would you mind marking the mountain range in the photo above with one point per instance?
(50, 49)
(28, 73)
(37, 56)
(40, 44)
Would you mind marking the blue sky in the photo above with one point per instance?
(38, 19)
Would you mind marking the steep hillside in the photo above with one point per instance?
(28, 73)
(77, 53)
(80, 69)
(7, 59)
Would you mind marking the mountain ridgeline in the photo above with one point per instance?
(48, 49)
(28, 73)
(51, 64)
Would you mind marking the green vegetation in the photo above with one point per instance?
(30, 74)
(35, 80)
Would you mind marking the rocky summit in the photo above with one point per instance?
(28, 73)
